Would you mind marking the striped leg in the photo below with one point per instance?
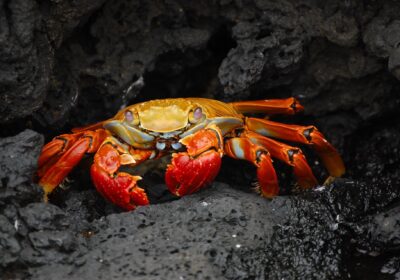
(292, 156)
(63, 153)
(301, 134)
(243, 148)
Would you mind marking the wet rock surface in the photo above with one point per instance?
(69, 64)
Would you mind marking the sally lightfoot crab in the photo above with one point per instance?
(198, 132)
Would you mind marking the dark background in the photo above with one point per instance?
(69, 63)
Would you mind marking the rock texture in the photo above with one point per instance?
(70, 63)
(218, 233)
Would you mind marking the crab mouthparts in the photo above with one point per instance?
(169, 145)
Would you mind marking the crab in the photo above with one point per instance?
(198, 132)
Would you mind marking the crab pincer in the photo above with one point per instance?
(118, 187)
(197, 167)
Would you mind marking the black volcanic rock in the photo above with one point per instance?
(70, 63)
(18, 162)
(220, 233)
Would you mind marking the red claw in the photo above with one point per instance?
(189, 171)
(120, 190)
(118, 187)
(186, 175)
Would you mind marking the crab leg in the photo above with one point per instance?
(292, 156)
(197, 167)
(301, 134)
(289, 106)
(53, 150)
(63, 153)
(119, 187)
(244, 148)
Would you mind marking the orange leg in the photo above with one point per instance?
(287, 106)
(292, 156)
(53, 150)
(190, 171)
(301, 134)
(63, 153)
(243, 148)
(119, 187)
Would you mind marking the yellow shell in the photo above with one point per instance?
(167, 115)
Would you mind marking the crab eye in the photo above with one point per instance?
(128, 116)
(131, 117)
(196, 115)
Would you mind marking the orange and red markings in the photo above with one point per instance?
(267, 178)
(189, 171)
(290, 155)
(186, 175)
(287, 106)
(120, 190)
(201, 141)
(244, 148)
(107, 157)
(301, 134)
(56, 173)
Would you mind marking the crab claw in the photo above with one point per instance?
(189, 171)
(118, 187)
